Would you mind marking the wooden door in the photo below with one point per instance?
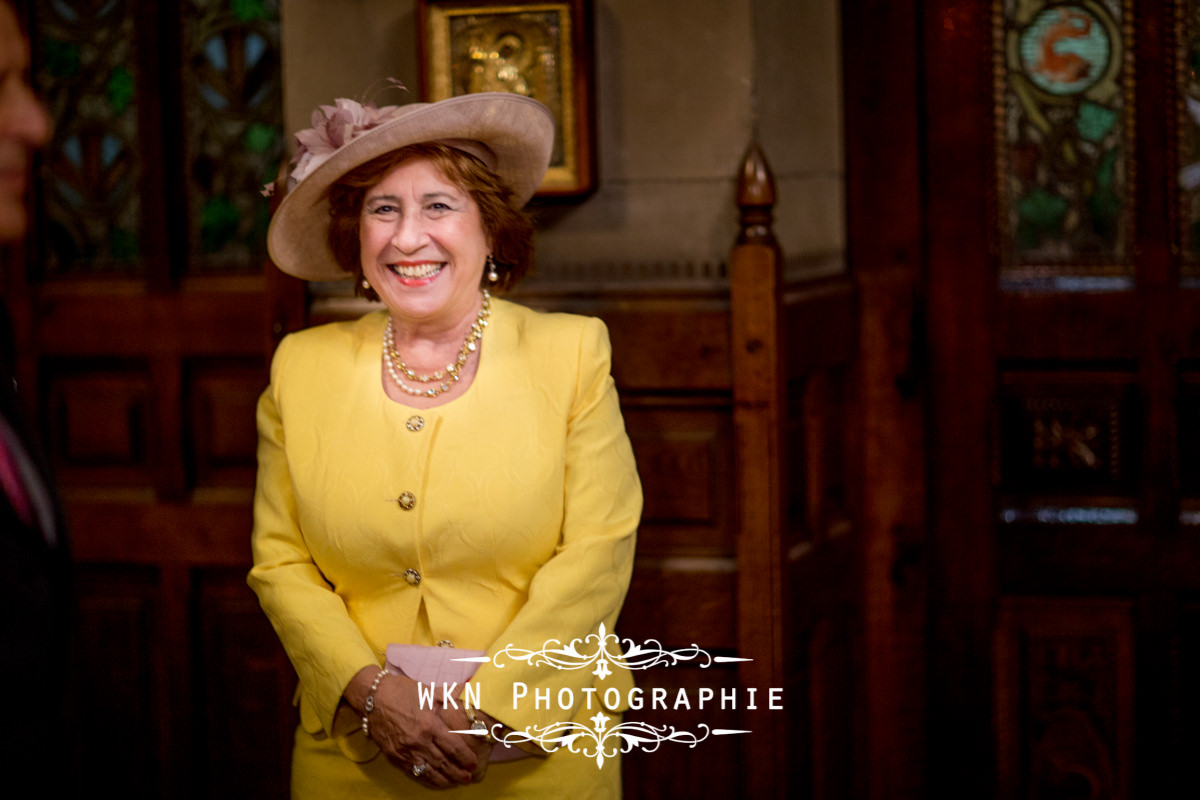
(144, 325)
(1063, 341)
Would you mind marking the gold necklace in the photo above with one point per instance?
(453, 373)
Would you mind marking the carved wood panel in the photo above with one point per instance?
(98, 420)
(1065, 698)
(825, 688)
(683, 448)
(1189, 433)
(818, 446)
(245, 686)
(1066, 434)
(143, 725)
(221, 397)
(117, 692)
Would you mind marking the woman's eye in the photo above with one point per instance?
(438, 207)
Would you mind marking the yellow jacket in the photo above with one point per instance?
(526, 507)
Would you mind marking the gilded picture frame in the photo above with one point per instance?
(538, 49)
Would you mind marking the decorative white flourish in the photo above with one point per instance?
(601, 742)
(638, 656)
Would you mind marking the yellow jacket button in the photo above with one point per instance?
(412, 576)
(415, 423)
(407, 501)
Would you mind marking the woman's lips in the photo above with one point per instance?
(417, 274)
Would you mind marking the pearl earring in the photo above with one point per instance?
(366, 284)
(492, 275)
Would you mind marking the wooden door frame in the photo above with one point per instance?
(886, 253)
(957, 132)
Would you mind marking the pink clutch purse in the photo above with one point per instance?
(435, 665)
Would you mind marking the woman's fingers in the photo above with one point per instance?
(434, 778)
(455, 719)
(461, 760)
(480, 747)
(427, 776)
(436, 760)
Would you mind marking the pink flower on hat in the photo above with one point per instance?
(332, 128)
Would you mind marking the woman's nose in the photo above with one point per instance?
(409, 234)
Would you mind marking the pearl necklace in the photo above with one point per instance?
(396, 367)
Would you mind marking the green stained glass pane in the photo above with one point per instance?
(59, 59)
(91, 171)
(218, 224)
(1102, 202)
(1041, 215)
(120, 90)
(249, 10)
(234, 108)
(123, 243)
(1095, 122)
(261, 138)
(1064, 139)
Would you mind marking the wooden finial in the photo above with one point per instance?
(755, 198)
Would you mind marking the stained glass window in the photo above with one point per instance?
(234, 129)
(219, 117)
(1189, 137)
(1064, 139)
(92, 168)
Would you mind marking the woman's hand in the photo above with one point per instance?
(456, 720)
(418, 738)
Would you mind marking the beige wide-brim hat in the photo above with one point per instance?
(512, 134)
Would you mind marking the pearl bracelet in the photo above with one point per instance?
(369, 705)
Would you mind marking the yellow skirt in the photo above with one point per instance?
(320, 771)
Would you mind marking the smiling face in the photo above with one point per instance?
(423, 246)
(24, 125)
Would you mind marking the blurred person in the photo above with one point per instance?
(33, 549)
(24, 125)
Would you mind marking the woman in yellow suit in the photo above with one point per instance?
(451, 470)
